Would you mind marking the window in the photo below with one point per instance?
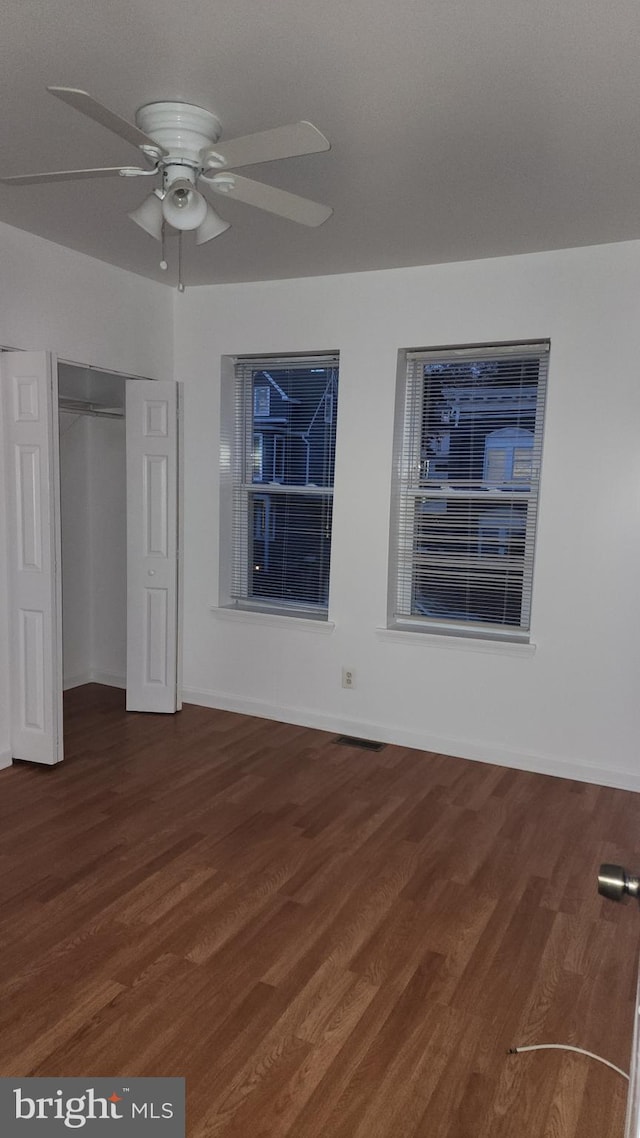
(468, 449)
(283, 463)
(258, 462)
(261, 400)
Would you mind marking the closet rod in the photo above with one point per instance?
(80, 407)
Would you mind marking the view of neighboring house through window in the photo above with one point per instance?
(469, 445)
(284, 457)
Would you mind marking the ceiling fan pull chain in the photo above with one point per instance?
(163, 252)
(180, 280)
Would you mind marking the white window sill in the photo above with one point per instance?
(272, 619)
(457, 643)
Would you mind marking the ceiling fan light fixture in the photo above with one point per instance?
(148, 215)
(212, 226)
(181, 144)
(183, 206)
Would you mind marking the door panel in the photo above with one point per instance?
(152, 546)
(30, 385)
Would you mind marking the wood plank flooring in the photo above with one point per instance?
(326, 942)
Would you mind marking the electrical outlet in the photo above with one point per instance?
(348, 678)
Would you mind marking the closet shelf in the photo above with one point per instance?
(84, 407)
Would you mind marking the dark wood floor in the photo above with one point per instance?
(326, 942)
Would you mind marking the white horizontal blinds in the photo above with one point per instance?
(283, 481)
(471, 451)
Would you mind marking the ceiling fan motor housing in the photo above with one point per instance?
(182, 129)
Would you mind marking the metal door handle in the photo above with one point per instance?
(616, 883)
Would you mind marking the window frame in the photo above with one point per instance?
(238, 426)
(407, 473)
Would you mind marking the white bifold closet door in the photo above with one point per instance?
(29, 381)
(152, 546)
(30, 410)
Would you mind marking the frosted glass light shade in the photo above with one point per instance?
(183, 207)
(149, 216)
(212, 226)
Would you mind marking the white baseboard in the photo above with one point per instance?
(386, 733)
(5, 759)
(76, 681)
(109, 679)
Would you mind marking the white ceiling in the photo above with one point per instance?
(458, 129)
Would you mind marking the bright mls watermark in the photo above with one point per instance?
(127, 1108)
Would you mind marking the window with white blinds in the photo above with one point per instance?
(284, 456)
(468, 449)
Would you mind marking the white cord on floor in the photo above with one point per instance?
(567, 1047)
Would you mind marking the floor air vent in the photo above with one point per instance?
(364, 744)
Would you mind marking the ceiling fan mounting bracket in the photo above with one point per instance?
(223, 183)
(153, 153)
(136, 172)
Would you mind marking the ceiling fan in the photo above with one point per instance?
(179, 142)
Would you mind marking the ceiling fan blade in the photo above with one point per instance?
(294, 208)
(89, 106)
(65, 175)
(268, 145)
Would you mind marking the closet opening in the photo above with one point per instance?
(93, 513)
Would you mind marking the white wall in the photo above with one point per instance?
(93, 498)
(568, 708)
(75, 547)
(108, 544)
(85, 311)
